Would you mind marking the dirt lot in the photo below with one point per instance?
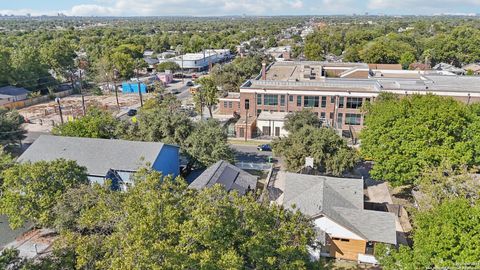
(44, 116)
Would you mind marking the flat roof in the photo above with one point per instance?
(277, 116)
(295, 76)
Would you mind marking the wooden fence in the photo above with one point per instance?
(32, 101)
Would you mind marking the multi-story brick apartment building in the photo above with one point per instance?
(336, 91)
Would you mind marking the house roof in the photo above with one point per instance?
(340, 199)
(97, 155)
(13, 91)
(228, 175)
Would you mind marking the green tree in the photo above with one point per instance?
(163, 224)
(27, 67)
(96, 123)
(329, 151)
(406, 136)
(60, 60)
(124, 63)
(271, 42)
(208, 94)
(168, 65)
(314, 52)
(208, 144)
(444, 183)
(30, 190)
(385, 50)
(159, 121)
(297, 120)
(5, 66)
(11, 130)
(443, 237)
(406, 59)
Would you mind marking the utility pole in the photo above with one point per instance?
(81, 93)
(59, 109)
(139, 88)
(247, 106)
(115, 75)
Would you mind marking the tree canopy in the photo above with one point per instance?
(208, 144)
(444, 236)
(30, 190)
(96, 123)
(168, 65)
(207, 94)
(405, 136)
(297, 120)
(11, 130)
(160, 223)
(329, 151)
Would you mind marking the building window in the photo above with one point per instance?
(299, 101)
(339, 119)
(324, 102)
(331, 115)
(282, 100)
(225, 104)
(259, 99)
(290, 98)
(353, 119)
(322, 115)
(311, 101)
(230, 104)
(332, 99)
(271, 100)
(354, 102)
(340, 102)
(259, 112)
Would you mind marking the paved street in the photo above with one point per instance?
(249, 153)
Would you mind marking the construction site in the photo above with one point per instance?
(44, 116)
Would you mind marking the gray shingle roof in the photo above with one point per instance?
(340, 199)
(97, 155)
(13, 91)
(228, 175)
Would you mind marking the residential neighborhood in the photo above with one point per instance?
(250, 135)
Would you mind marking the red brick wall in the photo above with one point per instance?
(228, 107)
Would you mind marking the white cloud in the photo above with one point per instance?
(27, 11)
(92, 10)
(416, 4)
(187, 7)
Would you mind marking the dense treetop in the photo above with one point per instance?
(397, 40)
(403, 136)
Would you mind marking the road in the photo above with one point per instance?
(249, 153)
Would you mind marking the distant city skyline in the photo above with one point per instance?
(237, 7)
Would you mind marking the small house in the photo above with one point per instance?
(344, 229)
(10, 94)
(106, 159)
(227, 175)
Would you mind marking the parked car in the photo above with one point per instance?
(190, 83)
(264, 147)
(132, 112)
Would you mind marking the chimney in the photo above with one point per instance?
(264, 71)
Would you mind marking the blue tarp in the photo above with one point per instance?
(132, 87)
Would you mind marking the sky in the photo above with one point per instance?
(235, 7)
